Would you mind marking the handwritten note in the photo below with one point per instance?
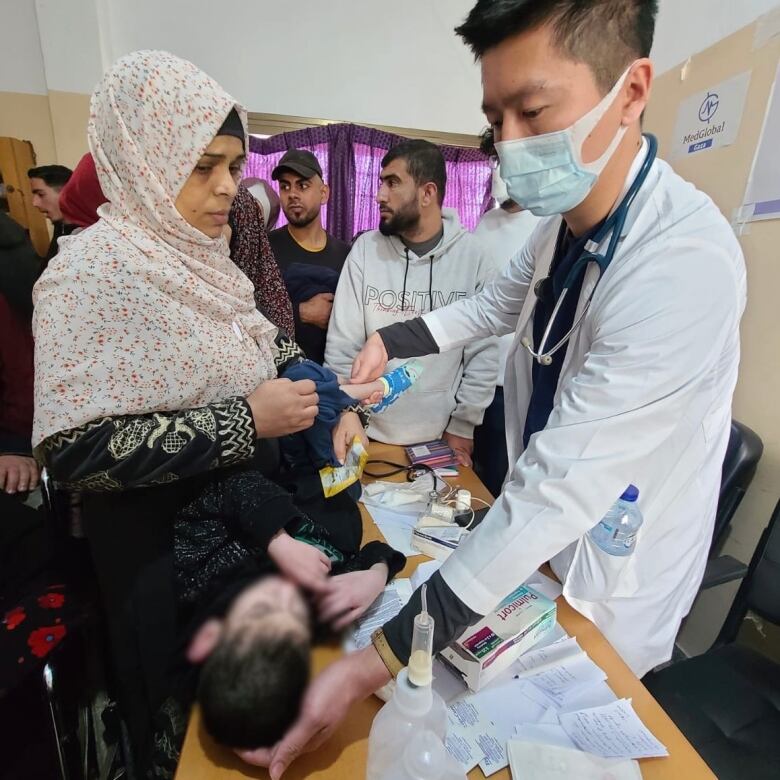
(612, 731)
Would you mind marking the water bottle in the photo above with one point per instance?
(425, 758)
(616, 531)
(414, 708)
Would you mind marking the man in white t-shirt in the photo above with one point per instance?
(502, 232)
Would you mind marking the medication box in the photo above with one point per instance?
(485, 649)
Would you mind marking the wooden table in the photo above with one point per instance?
(344, 756)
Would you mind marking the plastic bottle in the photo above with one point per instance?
(616, 531)
(415, 706)
(425, 758)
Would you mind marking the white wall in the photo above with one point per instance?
(22, 61)
(685, 27)
(396, 63)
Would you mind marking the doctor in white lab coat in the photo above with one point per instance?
(644, 384)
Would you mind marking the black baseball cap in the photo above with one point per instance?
(300, 161)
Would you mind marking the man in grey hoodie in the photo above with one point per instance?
(420, 259)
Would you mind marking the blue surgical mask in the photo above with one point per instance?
(545, 174)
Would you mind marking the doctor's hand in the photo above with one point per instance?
(462, 447)
(326, 703)
(371, 361)
(280, 407)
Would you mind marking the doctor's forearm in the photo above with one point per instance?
(451, 618)
(408, 339)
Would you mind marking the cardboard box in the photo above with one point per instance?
(485, 649)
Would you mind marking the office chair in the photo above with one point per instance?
(743, 453)
(727, 701)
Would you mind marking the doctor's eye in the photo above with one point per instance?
(532, 113)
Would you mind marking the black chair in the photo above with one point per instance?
(727, 701)
(743, 453)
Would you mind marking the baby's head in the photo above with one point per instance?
(255, 664)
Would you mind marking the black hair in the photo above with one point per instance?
(604, 34)
(487, 142)
(250, 688)
(424, 161)
(54, 175)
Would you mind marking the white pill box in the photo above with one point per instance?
(485, 649)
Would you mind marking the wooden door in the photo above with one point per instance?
(16, 158)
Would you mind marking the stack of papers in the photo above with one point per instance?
(396, 526)
(553, 696)
(543, 762)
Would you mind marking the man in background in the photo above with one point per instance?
(502, 233)
(420, 259)
(46, 182)
(310, 259)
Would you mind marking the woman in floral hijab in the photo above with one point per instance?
(153, 366)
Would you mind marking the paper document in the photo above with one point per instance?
(463, 721)
(546, 762)
(569, 677)
(386, 606)
(589, 696)
(396, 527)
(612, 731)
(541, 658)
(424, 572)
(482, 723)
(545, 734)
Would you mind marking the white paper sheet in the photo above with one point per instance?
(567, 678)
(546, 762)
(463, 725)
(590, 696)
(396, 527)
(544, 734)
(612, 731)
(386, 606)
(424, 572)
(486, 720)
(541, 658)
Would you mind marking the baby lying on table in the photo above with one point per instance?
(252, 577)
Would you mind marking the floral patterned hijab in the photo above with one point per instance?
(142, 312)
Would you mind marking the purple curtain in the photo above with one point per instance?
(350, 156)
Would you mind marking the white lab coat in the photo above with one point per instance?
(644, 397)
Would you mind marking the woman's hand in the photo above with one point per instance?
(280, 407)
(346, 597)
(346, 429)
(301, 563)
(371, 361)
(18, 473)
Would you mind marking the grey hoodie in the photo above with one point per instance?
(383, 282)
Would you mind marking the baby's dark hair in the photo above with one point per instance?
(251, 687)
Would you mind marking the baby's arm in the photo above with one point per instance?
(363, 390)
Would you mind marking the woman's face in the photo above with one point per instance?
(207, 195)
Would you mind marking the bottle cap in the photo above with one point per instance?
(630, 494)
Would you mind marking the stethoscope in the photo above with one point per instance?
(614, 222)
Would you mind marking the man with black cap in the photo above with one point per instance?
(310, 259)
